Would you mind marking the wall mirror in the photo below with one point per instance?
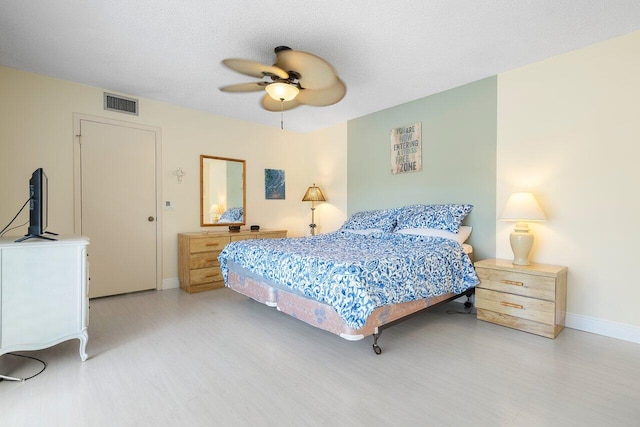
(222, 191)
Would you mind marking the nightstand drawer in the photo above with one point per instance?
(518, 283)
(207, 244)
(203, 275)
(517, 306)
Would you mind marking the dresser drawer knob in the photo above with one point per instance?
(512, 282)
(510, 304)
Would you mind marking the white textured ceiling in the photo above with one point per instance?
(386, 52)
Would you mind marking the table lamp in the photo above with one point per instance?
(521, 208)
(313, 194)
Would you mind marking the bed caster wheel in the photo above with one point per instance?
(377, 349)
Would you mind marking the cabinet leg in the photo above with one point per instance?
(84, 337)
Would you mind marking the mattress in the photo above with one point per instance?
(350, 274)
(315, 313)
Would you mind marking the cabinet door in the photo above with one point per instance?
(41, 294)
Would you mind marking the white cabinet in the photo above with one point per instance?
(44, 296)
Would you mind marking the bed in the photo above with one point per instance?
(379, 268)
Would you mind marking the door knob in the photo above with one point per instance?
(151, 219)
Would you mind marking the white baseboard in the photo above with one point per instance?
(607, 328)
(170, 283)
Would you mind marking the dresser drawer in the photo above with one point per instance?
(204, 259)
(208, 244)
(203, 275)
(205, 287)
(518, 283)
(537, 310)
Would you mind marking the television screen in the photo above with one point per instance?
(38, 206)
(38, 192)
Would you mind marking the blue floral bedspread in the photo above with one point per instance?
(355, 273)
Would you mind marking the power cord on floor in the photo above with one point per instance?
(44, 365)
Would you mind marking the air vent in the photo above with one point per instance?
(120, 103)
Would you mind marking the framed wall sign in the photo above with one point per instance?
(406, 148)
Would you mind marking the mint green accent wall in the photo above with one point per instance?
(459, 131)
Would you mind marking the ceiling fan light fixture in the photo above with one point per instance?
(282, 91)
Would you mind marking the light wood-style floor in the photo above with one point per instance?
(217, 358)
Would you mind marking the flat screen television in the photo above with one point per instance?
(38, 206)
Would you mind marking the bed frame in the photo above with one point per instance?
(323, 316)
(468, 305)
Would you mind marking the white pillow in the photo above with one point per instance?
(463, 233)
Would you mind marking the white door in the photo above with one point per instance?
(118, 206)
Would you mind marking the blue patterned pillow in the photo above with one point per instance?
(382, 219)
(232, 215)
(440, 217)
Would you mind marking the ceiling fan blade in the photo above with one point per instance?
(270, 104)
(244, 87)
(253, 68)
(323, 97)
(315, 72)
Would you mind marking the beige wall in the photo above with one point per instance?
(329, 172)
(36, 130)
(569, 131)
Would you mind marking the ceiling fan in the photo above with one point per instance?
(296, 78)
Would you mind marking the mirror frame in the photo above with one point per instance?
(244, 191)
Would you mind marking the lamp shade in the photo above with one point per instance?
(282, 91)
(522, 207)
(313, 194)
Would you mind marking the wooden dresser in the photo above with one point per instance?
(530, 298)
(198, 266)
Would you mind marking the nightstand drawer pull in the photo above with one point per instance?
(211, 244)
(210, 259)
(512, 282)
(510, 304)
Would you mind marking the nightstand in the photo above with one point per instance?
(530, 298)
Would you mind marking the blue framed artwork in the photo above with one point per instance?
(274, 184)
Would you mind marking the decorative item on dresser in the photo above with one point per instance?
(529, 298)
(198, 266)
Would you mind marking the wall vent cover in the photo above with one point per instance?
(120, 104)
